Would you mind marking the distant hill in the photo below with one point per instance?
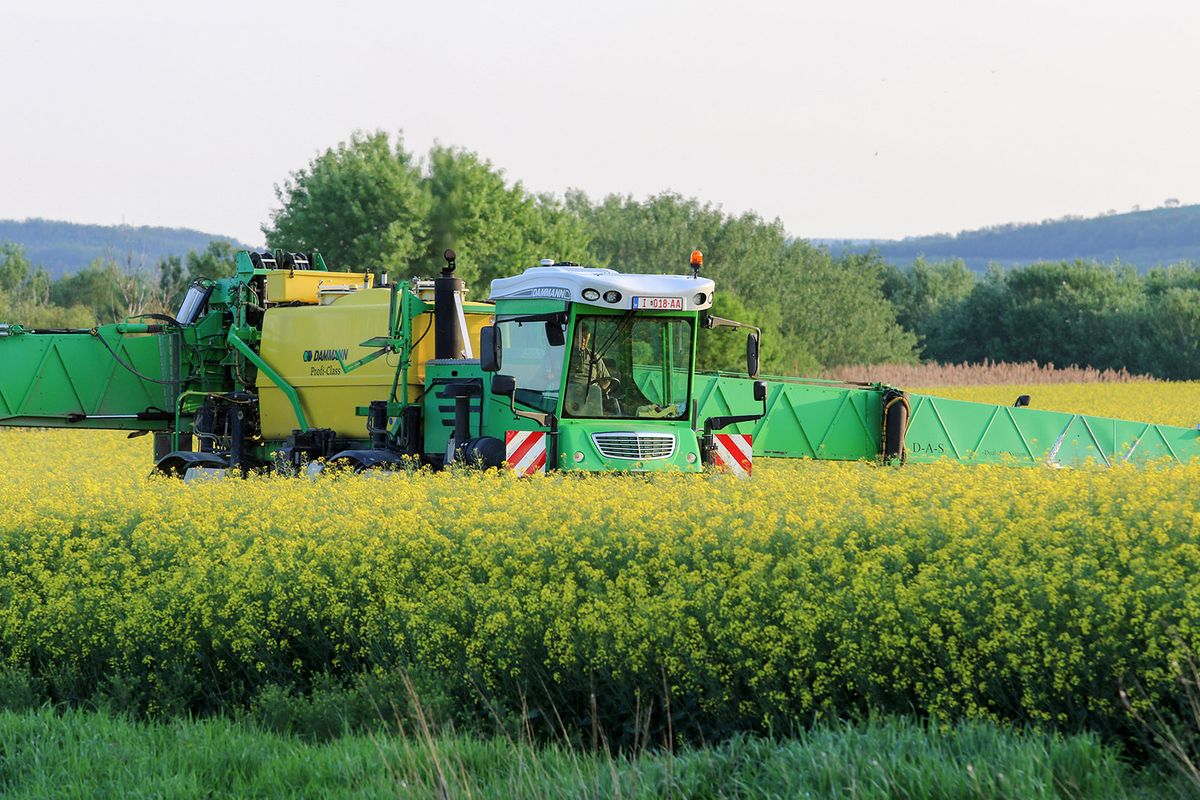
(64, 247)
(1140, 238)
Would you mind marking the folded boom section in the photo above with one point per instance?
(839, 421)
(88, 379)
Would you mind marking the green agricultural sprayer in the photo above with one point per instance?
(289, 366)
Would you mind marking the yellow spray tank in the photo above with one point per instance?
(304, 343)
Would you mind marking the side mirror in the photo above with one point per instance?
(760, 391)
(555, 334)
(490, 345)
(752, 355)
(504, 385)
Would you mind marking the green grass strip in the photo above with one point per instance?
(97, 755)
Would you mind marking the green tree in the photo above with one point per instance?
(927, 293)
(1062, 312)
(14, 266)
(25, 294)
(33, 315)
(836, 310)
(495, 229)
(814, 310)
(217, 260)
(750, 256)
(91, 287)
(654, 236)
(362, 204)
(171, 280)
(724, 349)
(1168, 326)
(104, 288)
(1171, 334)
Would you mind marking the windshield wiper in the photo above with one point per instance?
(625, 323)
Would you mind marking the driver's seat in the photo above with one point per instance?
(583, 401)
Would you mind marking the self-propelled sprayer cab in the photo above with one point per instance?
(599, 364)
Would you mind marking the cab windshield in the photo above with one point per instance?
(633, 366)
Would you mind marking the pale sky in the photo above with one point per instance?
(852, 119)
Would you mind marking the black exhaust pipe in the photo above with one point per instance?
(447, 291)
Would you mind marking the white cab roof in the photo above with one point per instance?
(568, 283)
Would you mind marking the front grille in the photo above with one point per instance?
(635, 446)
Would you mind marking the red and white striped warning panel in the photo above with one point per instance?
(525, 451)
(733, 453)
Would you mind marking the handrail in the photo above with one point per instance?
(288, 390)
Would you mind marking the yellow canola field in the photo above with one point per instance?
(1016, 594)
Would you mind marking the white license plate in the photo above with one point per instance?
(659, 303)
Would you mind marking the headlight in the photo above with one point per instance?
(590, 294)
(699, 298)
(612, 296)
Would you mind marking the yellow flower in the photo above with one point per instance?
(1026, 594)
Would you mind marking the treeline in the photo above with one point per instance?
(814, 309)
(369, 204)
(1068, 313)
